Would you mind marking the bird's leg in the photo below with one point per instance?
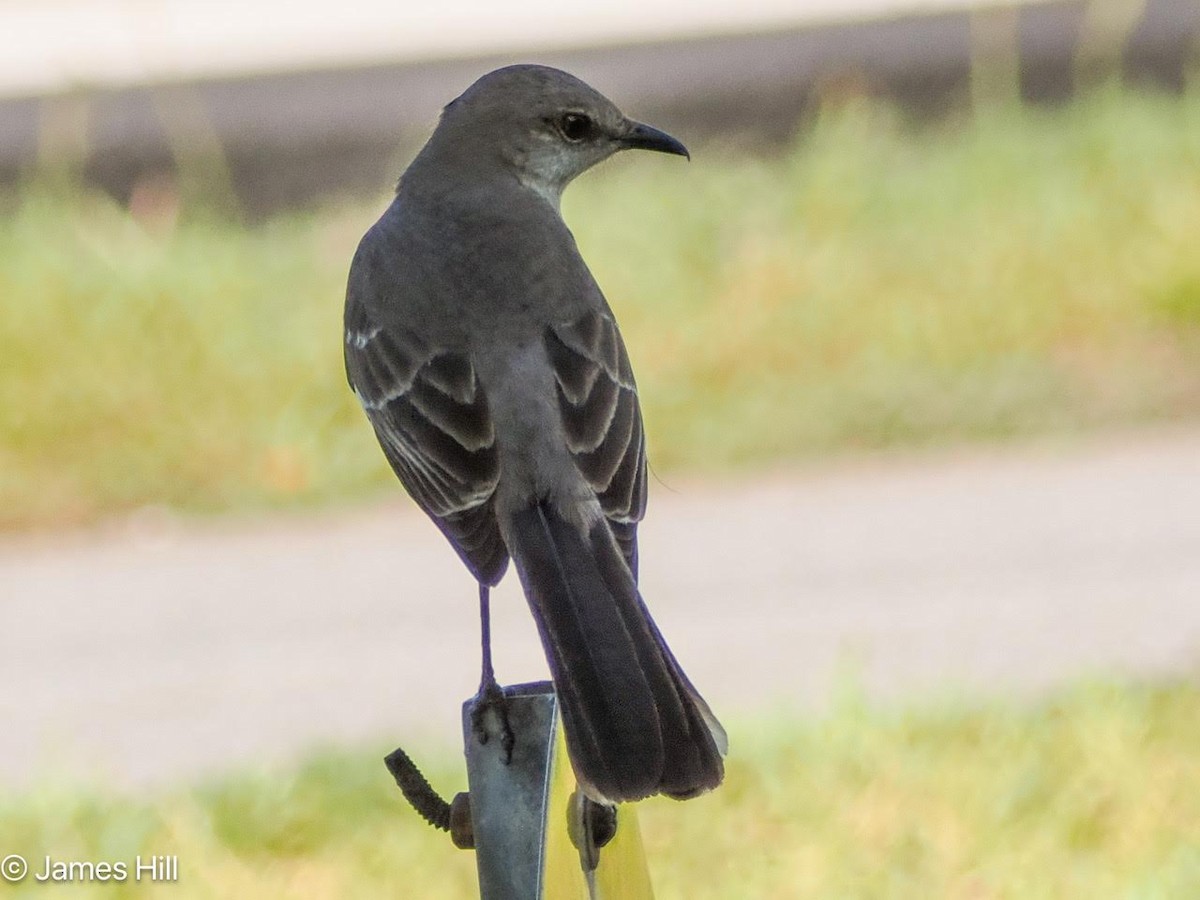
(491, 695)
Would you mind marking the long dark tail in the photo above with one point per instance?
(635, 726)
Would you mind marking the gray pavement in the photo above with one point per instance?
(156, 649)
(295, 105)
(54, 47)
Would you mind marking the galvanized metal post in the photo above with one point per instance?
(535, 836)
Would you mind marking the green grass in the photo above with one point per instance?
(1091, 792)
(1025, 271)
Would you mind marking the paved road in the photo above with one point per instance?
(156, 649)
(304, 106)
(52, 48)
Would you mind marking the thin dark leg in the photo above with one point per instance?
(487, 678)
(491, 695)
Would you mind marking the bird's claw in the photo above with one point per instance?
(491, 698)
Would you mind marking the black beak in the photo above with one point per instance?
(644, 137)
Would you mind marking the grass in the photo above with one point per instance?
(1091, 792)
(1024, 271)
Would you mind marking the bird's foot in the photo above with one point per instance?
(489, 712)
(591, 825)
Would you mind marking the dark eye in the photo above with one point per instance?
(575, 126)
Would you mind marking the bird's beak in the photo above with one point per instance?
(645, 137)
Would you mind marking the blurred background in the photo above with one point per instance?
(917, 334)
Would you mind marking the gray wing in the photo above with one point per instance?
(602, 419)
(432, 420)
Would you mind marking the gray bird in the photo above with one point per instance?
(491, 368)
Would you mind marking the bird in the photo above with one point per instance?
(491, 368)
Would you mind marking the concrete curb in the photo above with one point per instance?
(291, 139)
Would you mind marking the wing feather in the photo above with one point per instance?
(432, 420)
(602, 419)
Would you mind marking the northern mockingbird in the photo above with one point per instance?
(491, 368)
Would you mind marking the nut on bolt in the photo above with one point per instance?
(461, 830)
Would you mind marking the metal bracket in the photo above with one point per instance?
(535, 836)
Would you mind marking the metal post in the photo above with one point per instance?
(535, 836)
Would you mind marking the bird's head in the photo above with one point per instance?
(542, 125)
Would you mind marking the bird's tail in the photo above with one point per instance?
(634, 724)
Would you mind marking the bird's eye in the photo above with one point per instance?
(575, 126)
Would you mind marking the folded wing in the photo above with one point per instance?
(432, 420)
(602, 419)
